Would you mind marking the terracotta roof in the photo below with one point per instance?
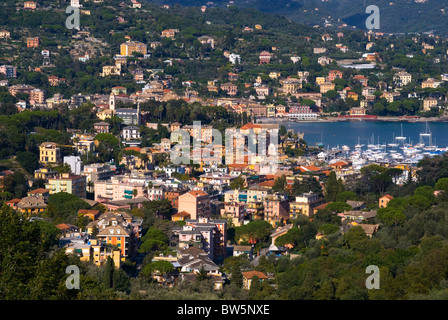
(133, 148)
(181, 214)
(87, 211)
(198, 193)
(64, 226)
(249, 125)
(13, 201)
(339, 163)
(251, 274)
(268, 183)
(40, 190)
(388, 196)
(308, 168)
(322, 206)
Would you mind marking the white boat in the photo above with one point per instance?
(401, 138)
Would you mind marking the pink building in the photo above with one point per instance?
(235, 211)
(116, 189)
(8, 71)
(265, 57)
(276, 211)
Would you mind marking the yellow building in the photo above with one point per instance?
(180, 216)
(32, 205)
(69, 183)
(111, 70)
(274, 75)
(326, 86)
(128, 47)
(352, 95)
(44, 173)
(49, 152)
(249, 275)
(357, 111)
(428, 103)
(320, 80)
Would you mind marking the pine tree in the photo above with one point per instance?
(108, 276)
(333, 187)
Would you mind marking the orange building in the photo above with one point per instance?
(30, 5)
(196, 203)
(180, 216)
(33, 42)
(384, 200)
(249, 275)
(116, 236)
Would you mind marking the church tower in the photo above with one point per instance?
(138, 113)
(112, 102)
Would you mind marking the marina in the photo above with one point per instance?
(383, 143)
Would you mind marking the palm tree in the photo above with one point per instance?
(90, 185)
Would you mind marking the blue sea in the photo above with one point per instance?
(348, 133)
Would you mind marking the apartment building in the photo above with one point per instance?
(276, 210)
(67, 182)
(8, 71)
(305, 204)
(196, 203)
(117, 189)
(127, 48)
(33, 42)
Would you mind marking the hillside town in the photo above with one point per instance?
(162, 154)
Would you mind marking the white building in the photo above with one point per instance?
(235, 58)
(130, 133)
(75, 164)
(75, 3)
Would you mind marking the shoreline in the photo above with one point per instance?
(332, 120)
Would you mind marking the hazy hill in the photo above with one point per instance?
(397, 16)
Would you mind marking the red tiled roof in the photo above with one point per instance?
(87, 211)
(13, 201)
(40, 190)
(388, 196)
(63, 226)
(198, 193)
(339, 163)
(249, 125)
(181, 214)
(268, 183)
(251, 274)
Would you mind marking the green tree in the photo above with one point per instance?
(28, 160)
(108, 273)
(333, 187)
(154, 239)
(279, 184)
(237, 183)
(391, 216)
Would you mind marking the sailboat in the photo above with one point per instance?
(359, 145)
(401, 138)
(393, 144)
(320, 144)
(427, 134)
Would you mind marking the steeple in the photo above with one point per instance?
(138, 112)
(112, 101)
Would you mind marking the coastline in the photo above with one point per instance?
(341, 119)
